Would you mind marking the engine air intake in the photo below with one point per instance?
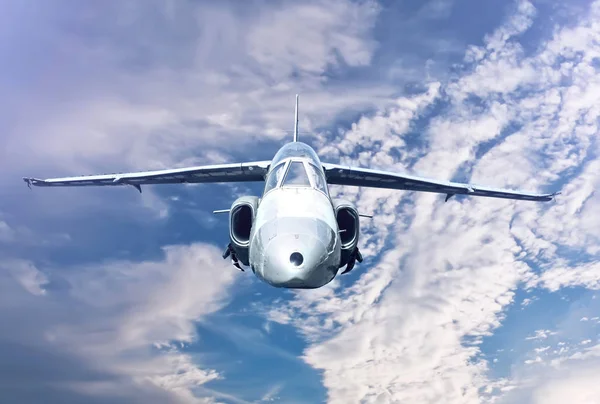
(241, 223)
(347, 223)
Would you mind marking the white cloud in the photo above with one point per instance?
(6, 232)
(271, 394)
(27, 275)
(526, 302)
(105, 319)
(409, 328)
(557, 277)
(159, 105)
(306, 37)
(576, 386)
(562, 363)
(144, 85)
(573, 379)
(499, 68)
(129, 98)
(540, 334)
(18, 235)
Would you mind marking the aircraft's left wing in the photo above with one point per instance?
(363, 177)
(239, 172)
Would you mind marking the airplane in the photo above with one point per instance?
(293, 236)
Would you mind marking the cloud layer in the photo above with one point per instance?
(412, 326)
(107, 330)
(142, 85)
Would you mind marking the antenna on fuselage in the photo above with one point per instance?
(296, 121)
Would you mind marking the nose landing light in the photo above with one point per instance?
(296, 259)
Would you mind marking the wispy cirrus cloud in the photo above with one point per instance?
(411, 327)
(562, 363)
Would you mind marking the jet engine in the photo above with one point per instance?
(347, 218)
(241, 219)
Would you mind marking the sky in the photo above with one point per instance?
(111, 296)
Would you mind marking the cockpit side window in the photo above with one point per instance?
(317, 178)
(274, 177)
(296, 176)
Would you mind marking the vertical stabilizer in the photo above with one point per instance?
(296, 121)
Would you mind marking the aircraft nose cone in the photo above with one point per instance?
(296, 260)
(295, 252)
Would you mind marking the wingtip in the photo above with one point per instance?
(550, 197)
(33, 181)
(29, 181)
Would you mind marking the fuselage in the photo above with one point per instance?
(294, 241)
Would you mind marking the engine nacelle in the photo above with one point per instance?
(241, 219)
(348, 222)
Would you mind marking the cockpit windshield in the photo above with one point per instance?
(274, 177)
(295, 173)
(296, 176)
(317, 178)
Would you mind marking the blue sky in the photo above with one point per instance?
(107, 295)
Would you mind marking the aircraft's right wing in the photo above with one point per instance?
(238, 172)
(364, 177)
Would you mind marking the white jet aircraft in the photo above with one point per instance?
(295, 236)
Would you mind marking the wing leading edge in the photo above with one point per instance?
(363, 177)
(239, 172)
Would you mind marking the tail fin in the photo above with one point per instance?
(296, 121)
